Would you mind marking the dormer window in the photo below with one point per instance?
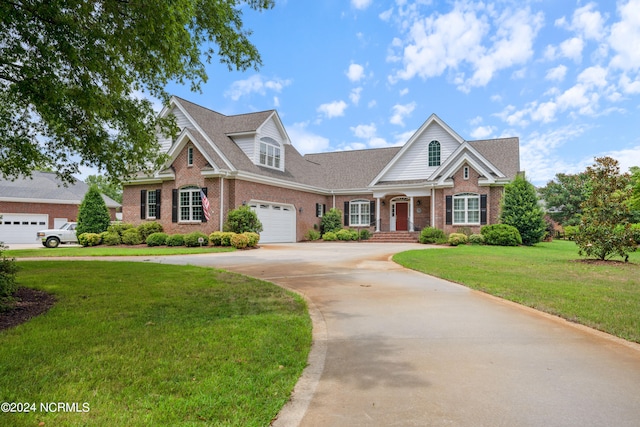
(270, 153)
(434, 153)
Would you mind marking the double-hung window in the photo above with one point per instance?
(434, 153)
(466, 209)
(359, 213)
(270, 153)
(190, 204)
(152, 204)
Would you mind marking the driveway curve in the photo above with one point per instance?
(393, 347)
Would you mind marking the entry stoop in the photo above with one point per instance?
(395, 237)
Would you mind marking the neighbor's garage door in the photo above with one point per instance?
(278, 222)
(22, 228)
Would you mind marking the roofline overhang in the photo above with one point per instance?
(49, 201)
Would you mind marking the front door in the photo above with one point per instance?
(402, 216)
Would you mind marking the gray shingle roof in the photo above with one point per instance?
(504, 153)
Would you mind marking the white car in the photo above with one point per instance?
(65, 234)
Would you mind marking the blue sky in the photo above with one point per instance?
(563, 76)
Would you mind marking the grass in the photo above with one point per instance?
(549, 277)
(148, 344)
(79, 251)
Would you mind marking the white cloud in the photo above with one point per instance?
(545, 112)
(354, 96)
(255, 84)
(588, 22)
(404, 91)
(572, 48)
(333, 109)
(556, 74)
(628, 86)
(593, 76)
(364, 131)
(482, 132)
(625, 37)
(361, 4)
(355, 72)
(305, 141)
(400, 112)
(626, 157)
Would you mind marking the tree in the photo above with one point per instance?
(93, 214)
(106, 186)
(604, 229)
(563, 197)
(331, 221)
(71, 74)
(242, 220)
(520, 209)
(634, 201)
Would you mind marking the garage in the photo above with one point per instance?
(21, 228)
(278, 222)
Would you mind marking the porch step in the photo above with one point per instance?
(395, 237)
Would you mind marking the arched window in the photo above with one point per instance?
(434, 153)
(270, 152)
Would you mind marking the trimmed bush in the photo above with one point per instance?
(226, 238)
(365, 234)
(476, 239)
(465, 230)
(192, 239)
(501, 235)
(254, 238)
(119, 228)
(8, 283)
(329, 236)
(432, 235)
(331, 221)
(157, 239)
(148, 228)
(215, 238)
(131, 236)
(345, 234)
(241, 220)
(456, 239)
(570, 231)
(312, 235)
(239, 241)
(89, 239)
(93, 214)
(110, 238)
(175, 240)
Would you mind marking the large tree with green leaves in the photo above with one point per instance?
(71, 74)
(106, 186)
(520, 209)
(604, 229)
(563, 196)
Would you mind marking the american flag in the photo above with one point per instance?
(206, 207)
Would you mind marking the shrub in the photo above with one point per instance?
(365, 234)
(148, 228)
(345, 234)
(570, 231)
(119, 228)
(226, 238)
(331, 221)
(239, 241)
(476, 239)
(456, 239)
(254, 238)
(329, 236)
(110, 238)
(501, 235)
(8, 283)
(131, 236)
(465, 230)
(312, 235)
(89, 239)
(215, 238)
(175, 240)
(157, 239)
(520, 208)
(193, 239)
(241, 220)
(432, 235)
(93, 214)
(635, 232)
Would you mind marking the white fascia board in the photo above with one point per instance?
(44, 201)
(415, 190)
(466, 158)
(181, 141)
(453, 162)
(276, 118)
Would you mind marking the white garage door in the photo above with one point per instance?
(278, 222)
(22, 228)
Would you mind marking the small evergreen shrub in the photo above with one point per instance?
(635, 232)
(570, 232)
(465, 230)
(148, 228)
(239, 241)
(8, 283)
(476, 239)
(119, 228)
(456, 239)
(192, 239)
(89, 239)
(131, 236)
(175, 240)
(432, 235)
(365, 234)
(226, 238)
(329, 236)
(312, 235)
(345, 234)
(243, 219)
(157, 239)
(501, 235)
(110, 238)
(93, 214)
(216, 238)
(331, 221)
(254, 238)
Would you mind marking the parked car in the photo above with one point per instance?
(65, 234)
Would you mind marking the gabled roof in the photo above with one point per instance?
(46, 187)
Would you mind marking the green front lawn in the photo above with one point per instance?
(79, 251)
(549, 277)
(148, 344)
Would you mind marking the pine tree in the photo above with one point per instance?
(93, 214)
(521, 210)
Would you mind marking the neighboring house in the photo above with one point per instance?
(28, 205)
(436, 179)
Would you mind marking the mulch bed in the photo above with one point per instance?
(28, 303)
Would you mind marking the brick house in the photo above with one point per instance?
(435, 179)
(28, 205)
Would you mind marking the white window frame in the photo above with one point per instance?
(190, 156)
(464, 211)
(465, 173)
(152, 194)
(436, 148)
(270, 154)
(360, 213)
(189, 205)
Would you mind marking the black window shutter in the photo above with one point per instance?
(158, 203)
(372, 213)
(483, 209)
(324, 209)
(174, 205)
(143, 204)
(204, 190)
(346, 213)
(449, 210)
(317, 210)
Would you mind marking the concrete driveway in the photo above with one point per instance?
(396, 347)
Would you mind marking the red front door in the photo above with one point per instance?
(402, 216)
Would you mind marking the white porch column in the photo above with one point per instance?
(411, 227)
(433, 207)
(377, 214)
